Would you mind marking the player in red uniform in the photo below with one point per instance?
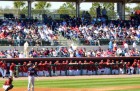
(85, 68)
(107, 67)
(128, 65)
(25, 69)
(138, 67)
(20, 70)
(70, 68)
(115, 68)
(121, 67)
(1, 71)
(133, 67)
(12, 69)
(4, 68)
(57, 68)
(63, 68)
(79, 70)
(90, 68)
(101, 69)
(46, 68)
(8, 84)
(40, 68)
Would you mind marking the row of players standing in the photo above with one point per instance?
(73, 68)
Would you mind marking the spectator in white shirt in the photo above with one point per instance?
(21, 55)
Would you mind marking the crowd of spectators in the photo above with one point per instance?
(92, 32)
(18, 32)
(112, 51)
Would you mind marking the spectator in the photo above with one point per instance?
(98, 11)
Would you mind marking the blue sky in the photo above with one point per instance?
(83, 6)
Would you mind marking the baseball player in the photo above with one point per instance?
(40, 66)
(90, 68)
(84, 68)
(70, 67)
(138, 67)
(12, 69)
(25, 69)
(75, 68)
(121, 67)
(36, 69)
(1, 71)
(128, 65)
(8, 84)
(57, 68)
(46, 68)
(20, 70)
(101, 69)
(4, 68)
(133, 67)
(31, 73)
(63, 68)
(79, 68)
(115, 68)
(107, 67)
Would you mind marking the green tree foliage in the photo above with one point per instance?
(128, 9)
(42, 5)
(67, 8)
(137, 7)
(19, 4)
(109, 7)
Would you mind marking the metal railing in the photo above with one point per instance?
(6, 42)
(82, 69)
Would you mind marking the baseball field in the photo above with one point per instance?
(80, 83)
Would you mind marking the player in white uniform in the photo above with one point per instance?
(31, 73)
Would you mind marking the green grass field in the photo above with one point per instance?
(83, 83)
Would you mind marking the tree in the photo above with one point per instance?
(93, 9)
(67, 8)
(109, 7)
(137, 7)
(42, 5)
(18, 5)
(128, 9)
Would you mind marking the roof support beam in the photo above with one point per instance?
(129, 1)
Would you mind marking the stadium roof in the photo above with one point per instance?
(127, 1)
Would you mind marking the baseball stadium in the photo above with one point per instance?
(70, 45)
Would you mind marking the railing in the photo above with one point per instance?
(53, 59)
(6, 42)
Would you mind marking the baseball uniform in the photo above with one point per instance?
(4, 68)
(1, 71)
(31, 73)
(8, 84)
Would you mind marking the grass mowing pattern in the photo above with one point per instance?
(80, 83)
